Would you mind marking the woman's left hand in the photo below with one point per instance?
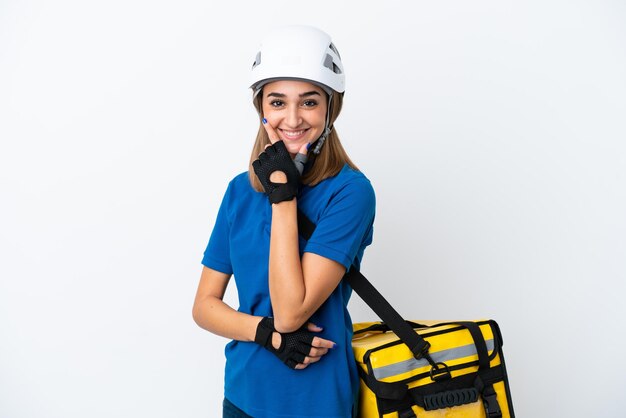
(296, 349)
(319, 348)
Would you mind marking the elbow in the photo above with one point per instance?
(195, 314)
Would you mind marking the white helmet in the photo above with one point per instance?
(298, 52)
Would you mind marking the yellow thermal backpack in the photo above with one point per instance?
(425, 369)
(394, 383)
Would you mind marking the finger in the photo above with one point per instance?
(263, 156)
(317, 352)
(310, 360)
(270, 131)
(304, 149)
(270, 151)
(301, 366)
(322, 343)
(264, 152)
(313, 328)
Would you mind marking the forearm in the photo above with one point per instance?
(286, 281)
(212, 314)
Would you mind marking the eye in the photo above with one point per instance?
(310, 103)
(276, 103)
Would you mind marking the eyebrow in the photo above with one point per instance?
(307, 94)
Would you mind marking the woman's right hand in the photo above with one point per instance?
(276, 159)
(296, 349)
(319, 346)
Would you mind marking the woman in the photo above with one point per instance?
(290, 354)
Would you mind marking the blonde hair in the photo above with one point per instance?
(328, 162)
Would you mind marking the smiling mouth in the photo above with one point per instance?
(293, 134)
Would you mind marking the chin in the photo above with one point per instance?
(295, 147)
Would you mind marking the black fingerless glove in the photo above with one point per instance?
(277, 158)
(294, 346)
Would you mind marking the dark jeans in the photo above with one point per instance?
(231, 411)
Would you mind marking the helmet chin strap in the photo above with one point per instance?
(320, 141)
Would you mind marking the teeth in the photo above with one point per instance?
(293, 133)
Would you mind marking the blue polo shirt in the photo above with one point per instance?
(256, 381)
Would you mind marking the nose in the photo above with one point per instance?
(293, 118)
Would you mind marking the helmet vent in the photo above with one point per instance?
(257, 60)
(334, 49)
(330, 64)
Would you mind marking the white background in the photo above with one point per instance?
(493, 133)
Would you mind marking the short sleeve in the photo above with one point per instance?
(217, 253)
(345, 226)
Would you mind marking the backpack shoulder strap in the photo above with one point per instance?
(372, 297)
